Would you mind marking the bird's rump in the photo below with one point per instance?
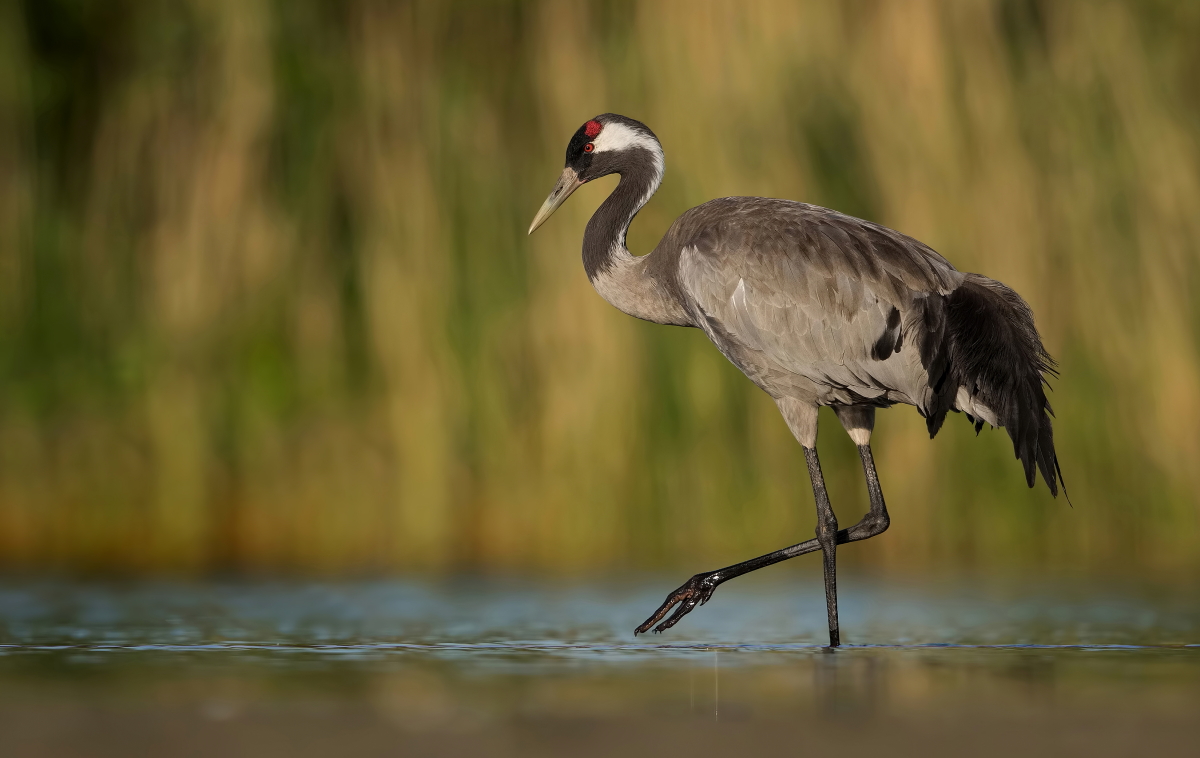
(996, 364)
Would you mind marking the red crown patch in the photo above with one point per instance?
(592, 128)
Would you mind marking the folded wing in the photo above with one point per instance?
(800, 294)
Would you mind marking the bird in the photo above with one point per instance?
(817, 308)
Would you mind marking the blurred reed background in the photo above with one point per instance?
(267, 303)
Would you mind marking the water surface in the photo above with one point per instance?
(540, 668)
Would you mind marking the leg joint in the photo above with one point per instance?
(872, 524)
(827, 528)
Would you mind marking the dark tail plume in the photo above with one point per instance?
(993, 349)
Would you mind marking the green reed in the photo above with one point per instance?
(267, 302)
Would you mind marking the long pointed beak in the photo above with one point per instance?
(567, 183)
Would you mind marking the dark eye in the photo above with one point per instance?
(589, 147)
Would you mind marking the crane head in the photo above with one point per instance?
(606, 144)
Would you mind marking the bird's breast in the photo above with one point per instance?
(628, 288)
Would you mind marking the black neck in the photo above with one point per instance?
(604, 237)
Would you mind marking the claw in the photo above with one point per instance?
(695, 591)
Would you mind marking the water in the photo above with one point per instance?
(524, 668)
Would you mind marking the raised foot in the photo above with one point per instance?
(695, 591)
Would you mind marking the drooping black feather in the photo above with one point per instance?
(990, 346)
(889, 341)
(928, 323)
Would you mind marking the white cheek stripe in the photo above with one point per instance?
(620, 137)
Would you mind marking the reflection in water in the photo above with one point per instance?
(526, 669)
(716, 685)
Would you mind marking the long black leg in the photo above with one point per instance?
(697, 590)
(827, 539)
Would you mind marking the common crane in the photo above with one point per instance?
(816, 308)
